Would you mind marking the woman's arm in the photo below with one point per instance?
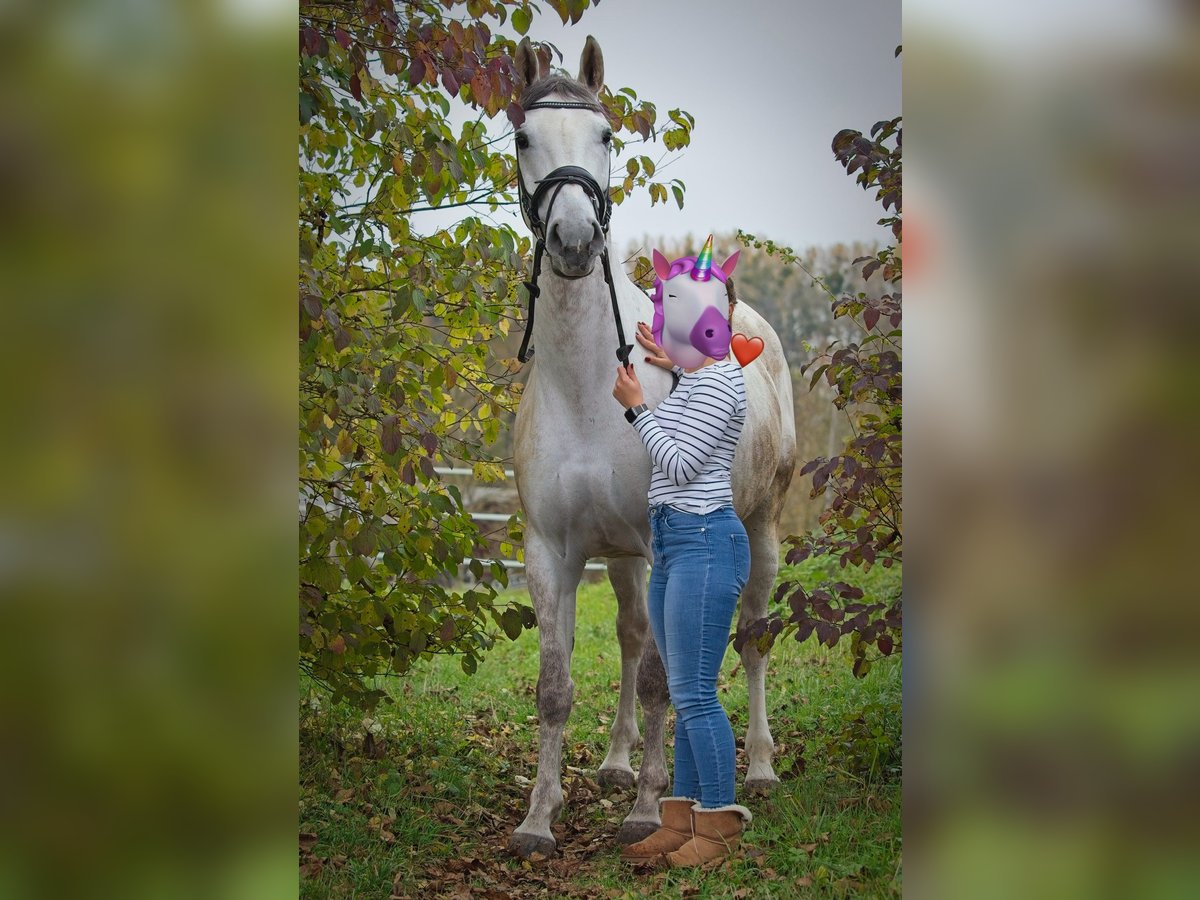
(710, 405)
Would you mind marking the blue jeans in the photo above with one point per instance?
(701, 563)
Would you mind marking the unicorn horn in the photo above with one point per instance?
(702, 271)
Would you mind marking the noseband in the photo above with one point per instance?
(552, 185)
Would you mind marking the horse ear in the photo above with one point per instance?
(591, 65)
(662, 268)
(729, 264)
(527, 62)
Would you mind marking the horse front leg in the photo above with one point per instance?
(628, 578)
(764, 566)
(552, 584)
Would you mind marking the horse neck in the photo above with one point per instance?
(574, 333)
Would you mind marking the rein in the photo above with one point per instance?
(601, 204)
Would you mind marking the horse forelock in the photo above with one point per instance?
(563, 85)
(679, 267)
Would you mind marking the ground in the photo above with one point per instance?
(418, 800)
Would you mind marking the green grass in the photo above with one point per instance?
(424, 805)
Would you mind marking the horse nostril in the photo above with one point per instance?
(708, 333)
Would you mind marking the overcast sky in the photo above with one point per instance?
(769, 83)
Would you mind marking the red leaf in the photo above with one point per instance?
(416, 71)
(312, 40)
(389, 438)
(870, 317)
(481, 88)
(450, 82)
(356, 87)
(516, 115)
(338, 645)
(343, 38)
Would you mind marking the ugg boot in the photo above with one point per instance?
(717, 832)
(676, 830)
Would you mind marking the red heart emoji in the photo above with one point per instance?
(746, 349)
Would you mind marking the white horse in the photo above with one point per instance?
(582, 472)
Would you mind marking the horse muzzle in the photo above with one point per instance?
(574, 247)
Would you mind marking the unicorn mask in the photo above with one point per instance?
(690, 313)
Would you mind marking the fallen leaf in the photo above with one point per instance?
(312, 868)
(308, 840)
(343, 795)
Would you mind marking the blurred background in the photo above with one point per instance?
(148, 494)
(1051, 743)
(147, 508)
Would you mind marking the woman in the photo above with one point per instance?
(701, 563)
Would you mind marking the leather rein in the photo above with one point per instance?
(553, 184)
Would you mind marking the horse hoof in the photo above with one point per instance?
(525, 845)
(632, 832)
(616, 779)
(761, 785)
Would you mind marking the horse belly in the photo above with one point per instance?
(587, 511)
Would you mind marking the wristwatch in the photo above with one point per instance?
(634, 411)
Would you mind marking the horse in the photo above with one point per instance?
(583, 474)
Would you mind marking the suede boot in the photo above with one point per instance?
(717, 833)
(676, 830)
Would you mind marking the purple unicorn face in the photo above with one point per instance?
(691, 307)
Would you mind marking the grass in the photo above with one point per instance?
(419, 800)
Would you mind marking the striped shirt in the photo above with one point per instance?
(691, 437)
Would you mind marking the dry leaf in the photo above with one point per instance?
(308, 840)
(312, 868)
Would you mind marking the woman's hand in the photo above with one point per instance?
(658, 356)
(627, 390)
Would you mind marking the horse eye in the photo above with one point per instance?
(607, 137)
(522, 141)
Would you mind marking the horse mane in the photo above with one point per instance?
(678, 267)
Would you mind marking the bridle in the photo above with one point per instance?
(552, 185)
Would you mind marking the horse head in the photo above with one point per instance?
(690, 313)
(563, 159)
